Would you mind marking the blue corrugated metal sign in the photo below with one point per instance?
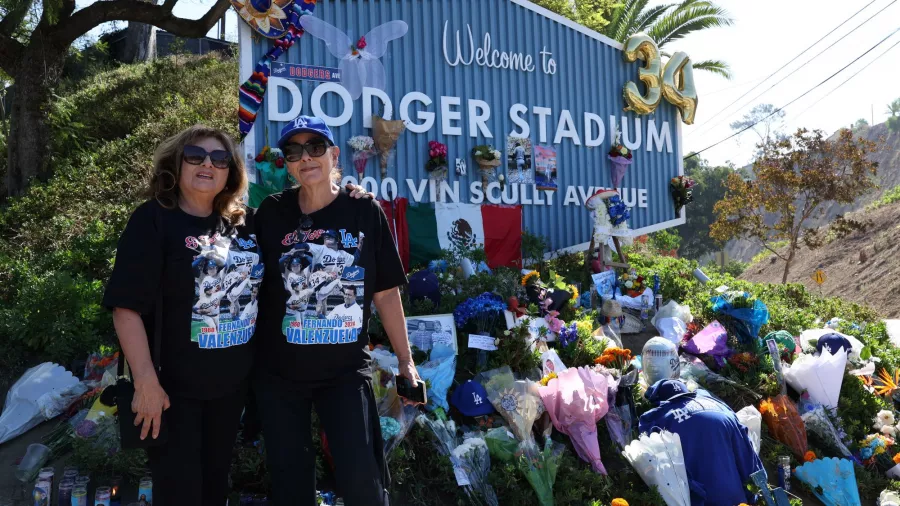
(473, 72)
(306, 72)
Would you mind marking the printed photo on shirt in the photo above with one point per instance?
(426, 332)
(227, 276)
(325, 287)
(519, 160)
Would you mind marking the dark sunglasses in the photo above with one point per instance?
(195, 155)
(294, 152)
(306, 222)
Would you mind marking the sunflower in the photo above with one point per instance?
(574, 291)
(527, 278)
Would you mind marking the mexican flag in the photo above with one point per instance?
(497, 229)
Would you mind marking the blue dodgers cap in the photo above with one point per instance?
(302, 124)
(471, 399)
(424, 285)
(833, 341)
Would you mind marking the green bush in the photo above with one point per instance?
(889, 197)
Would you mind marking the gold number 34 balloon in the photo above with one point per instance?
(675, 82)
(642, 47)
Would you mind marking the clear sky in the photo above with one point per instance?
(767, 34)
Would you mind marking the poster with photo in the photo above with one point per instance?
(427, 331)
(545, 167)
(519, 160)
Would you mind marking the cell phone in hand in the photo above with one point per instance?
(416, 395)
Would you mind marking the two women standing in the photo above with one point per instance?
(312, 260)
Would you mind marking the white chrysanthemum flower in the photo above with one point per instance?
(885, 417)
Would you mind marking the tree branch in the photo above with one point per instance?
(10, 51)
(14, 17)
(169, 5)
(159, 16)
(766, 245)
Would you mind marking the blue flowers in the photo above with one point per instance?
(618, 212)
(568, 335)
(482, 311)
(865, 453)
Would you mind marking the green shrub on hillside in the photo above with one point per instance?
(889, 197)
(58, 240)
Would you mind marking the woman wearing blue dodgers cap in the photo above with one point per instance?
(327, 257)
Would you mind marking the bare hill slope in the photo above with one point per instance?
(863, 267)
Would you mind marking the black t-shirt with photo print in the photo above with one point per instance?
(210, 275)
(317, 293)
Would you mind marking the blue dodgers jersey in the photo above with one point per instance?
(718, 454)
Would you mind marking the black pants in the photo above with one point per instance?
(349, 417)
(192, 467)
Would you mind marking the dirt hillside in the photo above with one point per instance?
(874, 281)
(888, 158)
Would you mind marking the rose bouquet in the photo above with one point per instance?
(437, 157)
(632, 284)
(272, 176)
(621, 158)
(363, 148)
(682, 192)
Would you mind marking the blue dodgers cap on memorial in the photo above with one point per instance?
(302, 124)
(471, 399)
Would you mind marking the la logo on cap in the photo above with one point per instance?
(300, 122)
(477, 399)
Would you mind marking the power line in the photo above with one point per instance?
(794, 58)
(807, 62)
(807, 92)
(846, 81)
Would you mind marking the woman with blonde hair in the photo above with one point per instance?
(171, 266)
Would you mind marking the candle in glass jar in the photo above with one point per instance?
(115, 483)
(65, 492)
(145, 490)
(79, 496)
(101, 496)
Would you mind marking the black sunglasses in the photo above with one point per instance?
(195, 155)
(293, 152)
(306, 222)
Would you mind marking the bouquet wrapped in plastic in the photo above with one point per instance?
(576, 400)
(540, 466)
(363, 148)
(518, 401)
(821, 376)
(749, 313)
(469, 456)
(785, 423)
(818, 422)
(752, 419)
(621, 417)
(438, 374)
(659, 461)
(386, 135)
(502, 444)
(473, 460)
(712, 341)
(832, 480)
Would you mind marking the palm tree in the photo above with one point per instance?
(668, 22)
(894, 108)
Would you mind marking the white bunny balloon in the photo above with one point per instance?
(360, 61)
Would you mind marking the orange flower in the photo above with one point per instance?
(526, 278)
(766, 406)
(809, 456)
(619, 502)
(886, 385)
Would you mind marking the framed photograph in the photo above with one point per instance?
(427, 331)
(519, 160)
